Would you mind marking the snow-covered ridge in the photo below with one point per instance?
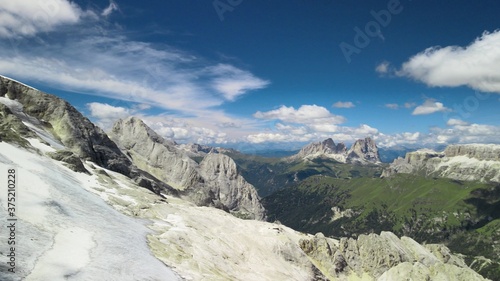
(461, 162)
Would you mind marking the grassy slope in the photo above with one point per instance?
(463, 215)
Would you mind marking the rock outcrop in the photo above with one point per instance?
(216, 181)
(47, 114)
(384, 257)
(362, 151)
(461, 162)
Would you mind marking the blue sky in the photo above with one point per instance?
(267, 73)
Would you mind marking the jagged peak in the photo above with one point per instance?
(362, 150)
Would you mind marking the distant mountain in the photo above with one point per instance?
(362, 151)
(389, 154)
(461, 162)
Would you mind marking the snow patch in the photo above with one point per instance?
(69, 254)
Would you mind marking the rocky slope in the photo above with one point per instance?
(216, 181)
(461, 162)
(69, 230)
(384, 257)
(362, 151)
(34, 113)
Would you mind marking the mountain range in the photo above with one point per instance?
(131, 205)
(362, 151)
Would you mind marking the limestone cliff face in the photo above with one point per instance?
(152, 153)
(384, 257)
(362, 151)
(223, 179)
(461, 162)
(477, 151)
(214, 182)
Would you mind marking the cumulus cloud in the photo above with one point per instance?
(27, 17)
(343, 104)
(456, 122)
(463, 132)
(428, 107)
(476, 66)
(305, 114)
(184, 131)
(314, 132)
(106, 115)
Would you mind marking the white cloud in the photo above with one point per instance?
(343, 104)
(392, 105)
(184, 131)
(106, 115)
(138, 72)
(314, 132)
(305, 114)
(462, 132)
(428, 107)
(456, 122)
(28, 17)
(409, 104)
(476, 66)
(110, 9)
(232, 82)
(383, 68)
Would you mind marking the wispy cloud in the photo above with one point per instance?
(110, 9)
(476, 66)
(392, 105)
(428, 107)
(233, 82)
(85, 56)
(343, 104)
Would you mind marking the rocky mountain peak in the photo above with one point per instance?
(364, 150)
(215, 181)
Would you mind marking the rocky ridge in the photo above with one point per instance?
(215, 181)
(460, 162)
(362, 151)
(41, 115)
(384, 257)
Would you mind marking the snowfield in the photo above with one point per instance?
(63, 232)
(74, 226)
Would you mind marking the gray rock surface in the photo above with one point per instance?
(461, 162)
(362, 151)
(216, 181)
(384, 257)
(49, 114)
